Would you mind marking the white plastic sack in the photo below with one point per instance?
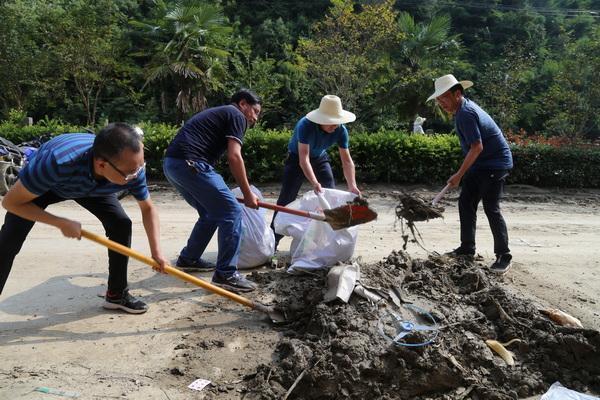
(341, 280)
(314, 243)
(258, 240)
(559, 392)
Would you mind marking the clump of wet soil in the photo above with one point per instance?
(413, 208)
(354, 212)
(335, 350)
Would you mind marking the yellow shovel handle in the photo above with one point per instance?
(126, 251)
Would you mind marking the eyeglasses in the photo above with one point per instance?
(125, 176)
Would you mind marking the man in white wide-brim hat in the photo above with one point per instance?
(483, 172)
(307, 151)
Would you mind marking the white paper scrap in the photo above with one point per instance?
(199, 384)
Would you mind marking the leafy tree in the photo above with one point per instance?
(18, 51)
(347, 53)
(569, 107)
(278, 75)
(87, 43)
(298, 15)
(260, 75)
(29, 77)
(504, 84)
(271, 39)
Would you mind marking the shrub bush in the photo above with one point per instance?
(18, 134)
(385, 156)
(156, 140)
(544, 165)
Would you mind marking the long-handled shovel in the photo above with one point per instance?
(276, 316)
(440, 195)
(353, 213)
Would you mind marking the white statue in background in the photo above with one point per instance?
(418, 125)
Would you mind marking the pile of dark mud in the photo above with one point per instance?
(336, 351)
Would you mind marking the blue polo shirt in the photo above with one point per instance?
(204, 137)
(64, 166)
(310, 133)
(472, 125)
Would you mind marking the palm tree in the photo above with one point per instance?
(186, 57)
(427, 50)
(424, 41)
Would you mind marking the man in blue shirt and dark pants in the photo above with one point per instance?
(483, 172)
(189, 166)
(89, 170)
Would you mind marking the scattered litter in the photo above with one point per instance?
(56, 392)
(367, 294)
(500, 349)
(411, 327)
(199, 384)
(526, 243)
(341, 280)
(559, 392)
(562, 318)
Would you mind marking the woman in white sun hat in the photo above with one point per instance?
(307, 151)
(483, 171)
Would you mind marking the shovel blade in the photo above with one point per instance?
(277, 316)
(349, 215)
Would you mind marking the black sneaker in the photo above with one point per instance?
(200, 265)
(235, 283)
(125, 302)
(502, 264)
(460, 252)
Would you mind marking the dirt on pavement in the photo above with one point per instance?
(339, 351)
(53, 332)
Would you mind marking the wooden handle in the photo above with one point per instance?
(126, 251)
(440, 195)
(301, 213)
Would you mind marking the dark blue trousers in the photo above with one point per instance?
(485, 186)
(293, 177)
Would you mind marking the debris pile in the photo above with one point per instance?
(336, 350)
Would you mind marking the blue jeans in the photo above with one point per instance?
(205, 190)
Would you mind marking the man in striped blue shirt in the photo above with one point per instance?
(89, 170)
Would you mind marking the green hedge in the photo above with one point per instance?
(384, 157)
(18, 134)
(543, 165)
(398, 157)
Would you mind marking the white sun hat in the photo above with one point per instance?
(444, 83)
(330, 112)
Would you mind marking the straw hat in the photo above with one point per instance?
(443, 84)
(330, 112)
